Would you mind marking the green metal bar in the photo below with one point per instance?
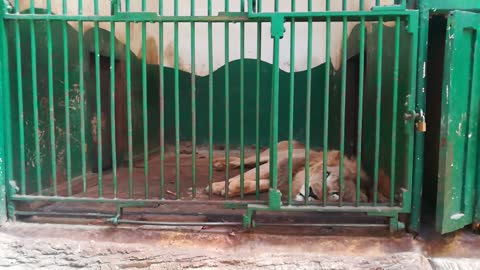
(6, 152)
(112, 108)
(99, 105)
(227, 102)
(412, 27)
(144, 100)
(67, 106)
(378, 109)
(4, 192)
(360, 103)
(389, 15)
(377, 210)
(162, 104)
(396, 68)
(277, 33)
(177, 105)
(30, 198)
(167, 223)
(128, 63)
(257, 104)
(417, 81)
(361, 79)
(33, 47)
(21, 117)
(342, 103)
(291, 105)
(308, 105)
(242, 101)
(194, 117)
(326, 103)
(83, 146)
(210, 102)
(50, 100)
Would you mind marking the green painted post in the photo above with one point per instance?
(3, 193)
(415, 215)
(277, 31)
(6, 156)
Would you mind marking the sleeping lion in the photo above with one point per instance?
(298, 176)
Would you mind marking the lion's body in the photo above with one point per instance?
(298, 173)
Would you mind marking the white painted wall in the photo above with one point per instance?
(201, 37)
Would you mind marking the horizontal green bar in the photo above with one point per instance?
(336, 15)
(226, 17)
(33, 198)
(63, 214)
(166, 223)
(346, 225)
(320, 208)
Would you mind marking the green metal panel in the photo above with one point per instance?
(459, 123)
(445, 5)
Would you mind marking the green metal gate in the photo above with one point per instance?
(54, 151)
(458, 200)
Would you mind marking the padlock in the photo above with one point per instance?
(421, 124)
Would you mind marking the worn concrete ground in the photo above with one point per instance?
(60, 246)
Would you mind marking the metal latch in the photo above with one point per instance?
(419, 118)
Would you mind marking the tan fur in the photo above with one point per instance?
(298, 174)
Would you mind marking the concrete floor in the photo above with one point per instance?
(66, 246)
(68, 243)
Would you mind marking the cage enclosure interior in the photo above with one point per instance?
(119, 108)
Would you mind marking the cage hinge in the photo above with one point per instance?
(419, 118)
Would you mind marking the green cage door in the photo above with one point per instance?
(458, 182)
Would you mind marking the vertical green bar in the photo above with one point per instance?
(98, 101)
(417, 59)
(162, 104)
(83, 146)
(194, 117)
(51, 109)
(67, 102)
(308, 105)
(21, 118)
(242, 98)
(112, 108)
(257, 104)
(177, 103)
(326, 103)
(360, 104)
(396, 67)
(144, 100)
(33, 47)
(378, 107)
(6, 153)
(274, 114)
(291, 105)
(227, 102)
(210, 102)
(128, 63)
(342, 101)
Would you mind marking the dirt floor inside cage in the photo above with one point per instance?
(182, 209)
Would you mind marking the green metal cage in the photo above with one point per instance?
(109, 120)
